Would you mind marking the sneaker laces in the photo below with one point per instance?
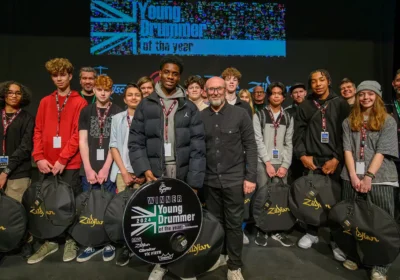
(70, 245)
(279, 236)
(43, 247)
(89, 250)
(236, 274)
(109, 248)
(159, 269)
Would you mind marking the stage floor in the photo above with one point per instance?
(260, 263)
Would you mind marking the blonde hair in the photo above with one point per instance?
(247, 92)
(104, 82)
(376, 119)
(59, 65)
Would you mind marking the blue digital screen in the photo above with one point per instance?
(199, 28)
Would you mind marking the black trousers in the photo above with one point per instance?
(226, 204)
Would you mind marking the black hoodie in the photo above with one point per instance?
(307, 129)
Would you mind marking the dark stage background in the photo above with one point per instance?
(352, 39)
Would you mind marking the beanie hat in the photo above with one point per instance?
(370, 85)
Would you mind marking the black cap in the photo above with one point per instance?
(297, 85)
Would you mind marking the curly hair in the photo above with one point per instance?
(231, 72)
(194, 80)
(59, 65)
(103, 81)
(173, 60)
(26, 93)
(376, 119)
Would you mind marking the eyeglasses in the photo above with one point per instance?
(212, 90)
(16, 93)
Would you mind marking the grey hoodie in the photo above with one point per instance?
(168, 100)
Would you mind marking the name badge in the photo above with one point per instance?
(100, 154)
(167, 149)
(360, 168)
(324, 137)
(57, 142)
(3, 161)
(275, 153)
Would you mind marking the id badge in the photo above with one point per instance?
(100, 154)
(167, 149)
(324, 137)
(57, 142)
(3, 161)
(360, 168)
(275, 153)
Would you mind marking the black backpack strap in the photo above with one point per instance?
(262, 118)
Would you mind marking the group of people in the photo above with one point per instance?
(221, 143)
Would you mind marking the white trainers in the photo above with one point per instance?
(246, 240)
(307, 241)
(235, 274)
(338, 253)
(220, 262)
(377, 275)
(157, 273)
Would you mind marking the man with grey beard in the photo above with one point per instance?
(230, 173)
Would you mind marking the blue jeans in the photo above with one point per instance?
(108, 185)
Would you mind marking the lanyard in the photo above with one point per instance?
(167, 113)
(396, 104)
(363, 138)
(275, 123)
(102, 120)
(59, 110)
(93, 99)
(6, 124)
(128, 119)
(323, 111)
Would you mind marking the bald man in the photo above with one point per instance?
(259, 98)
(229, 133)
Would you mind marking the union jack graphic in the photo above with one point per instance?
(146, 215)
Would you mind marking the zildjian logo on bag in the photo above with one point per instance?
(314, 203)
(90, 221)
(39, 211)
(2, 228)
(277, 210)
(360, 236)
(198, 248)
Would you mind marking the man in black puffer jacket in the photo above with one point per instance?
(166, 136)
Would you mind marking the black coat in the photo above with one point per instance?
(146, 140)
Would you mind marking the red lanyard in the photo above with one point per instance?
(102, 120)
(59, 110)
(128, 119)
(6, 125)
(363, 139)
(323, 111)
(166, 114)
(275, 123)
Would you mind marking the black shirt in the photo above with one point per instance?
(89, 99)
(243, 104)
(229, 133)
(19, 145)
(88, 120)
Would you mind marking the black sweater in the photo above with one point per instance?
(19, 145)
(307, 129)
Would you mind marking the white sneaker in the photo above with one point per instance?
(338, 253)
(157, 273)
(220, 262)
(377, 275)
(246, 240)
(235, 274)
(307, 241)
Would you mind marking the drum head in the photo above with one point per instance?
(162, 221)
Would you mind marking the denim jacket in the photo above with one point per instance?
(119, 129)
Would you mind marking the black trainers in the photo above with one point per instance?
(2, 257)
(26, 250)
(283, 239)
(123, 257)
(261, 239)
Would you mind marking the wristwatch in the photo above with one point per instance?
(6, 170)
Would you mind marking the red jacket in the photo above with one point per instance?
(46, 129)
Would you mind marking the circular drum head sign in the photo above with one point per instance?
(162, 221)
